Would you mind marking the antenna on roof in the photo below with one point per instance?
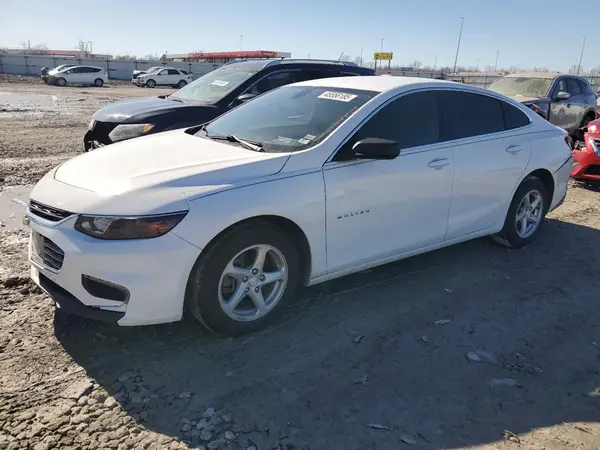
(339, 59)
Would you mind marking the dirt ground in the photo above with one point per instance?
(473, 346)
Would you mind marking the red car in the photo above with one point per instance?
(586, 165)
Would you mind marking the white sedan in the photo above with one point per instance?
(306, 183)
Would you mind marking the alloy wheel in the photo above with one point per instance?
(529, 214)
(253, 282)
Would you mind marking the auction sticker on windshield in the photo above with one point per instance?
(339, 96)
(220, 83)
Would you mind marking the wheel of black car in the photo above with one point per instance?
(150, 83)
(61, 81)
(98, 82)
(244, 279)
(181, 84)
(526, 214)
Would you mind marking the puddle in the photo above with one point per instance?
(12, 104)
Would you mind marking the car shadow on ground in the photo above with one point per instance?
(443, 350)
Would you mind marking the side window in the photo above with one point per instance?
(412, 120)
(467, 114)
(513, 117)
(573, 86)
(164, 72)
(560, 86)
(173, 72)
(272, 81)
(94, 70)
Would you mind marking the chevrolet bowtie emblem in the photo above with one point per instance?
(26, 221)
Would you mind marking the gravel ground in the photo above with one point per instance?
(472, 346)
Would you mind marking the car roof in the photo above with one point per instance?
(542, 75)
(85, 65)
(380, 83)
(258, 64)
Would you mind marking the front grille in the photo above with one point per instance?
(596, 146)
(593, 170)
(101, 131)
(51, 255)
(47, 212)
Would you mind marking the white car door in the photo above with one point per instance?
(380, 208)
(71, 76)
(88, 75)
(491, 151)
(162, 77)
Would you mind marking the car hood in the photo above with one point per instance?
(121, 111)
(153, 173)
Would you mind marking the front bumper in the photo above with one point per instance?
(586, 165)
(153, 272)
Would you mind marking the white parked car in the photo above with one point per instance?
(88, 75)
(137, 73)
(306, 183)
(167, 76)
(46, 71)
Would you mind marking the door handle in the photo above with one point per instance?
(438, 163)
(514, 149)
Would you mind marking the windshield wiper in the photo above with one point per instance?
(255, 146)
(175, 99)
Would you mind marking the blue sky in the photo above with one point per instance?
(527, 33)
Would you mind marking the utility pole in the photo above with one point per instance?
(581, 56)
(361, 60)
(496, 65)
(241, 42)
(435, 63)
(381, 49)
(477, 65)
(462, 22)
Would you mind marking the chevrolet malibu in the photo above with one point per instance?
(306, 183)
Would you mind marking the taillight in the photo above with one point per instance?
(569, 141)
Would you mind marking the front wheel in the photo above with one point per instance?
(150, 83)
(98, 82)
(242, 283)
(525, 215)
(61, 82)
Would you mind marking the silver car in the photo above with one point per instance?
(567, 101)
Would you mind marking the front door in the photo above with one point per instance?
(377, 209)
(560, 109)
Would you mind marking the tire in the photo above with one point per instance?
(98, 82)
(61, 82)
(150, 83)
(181, 84)
(587, 119)
(513, 234)
(207, 285)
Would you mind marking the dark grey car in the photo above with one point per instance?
(567, 101)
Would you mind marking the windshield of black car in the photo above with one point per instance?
(523, 86)
(215, 85)
(289, 118)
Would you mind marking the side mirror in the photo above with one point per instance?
(376, 148)
(563, 96)
(245, 97)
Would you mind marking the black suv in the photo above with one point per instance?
(206, 98)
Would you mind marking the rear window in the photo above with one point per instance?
(513, 117)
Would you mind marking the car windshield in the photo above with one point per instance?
(523, 86)
(215, 85)
(290, 118)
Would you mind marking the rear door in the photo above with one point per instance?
(577, 104)
(173, 76)
(491, 151)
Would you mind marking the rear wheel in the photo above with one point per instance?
(61, 82)
(242, 283)
(181, 84)
(98, 82)
(150, 83)
(526, 214)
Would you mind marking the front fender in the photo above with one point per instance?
(298, 198)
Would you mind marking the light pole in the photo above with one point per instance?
(241, 42)
(435, 63)
(381, 48)
(361, 53)
(462, 21)
(581, 55)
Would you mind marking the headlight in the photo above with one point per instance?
(122, 132)
(116, 228)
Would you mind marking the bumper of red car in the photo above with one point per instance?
(586, 163)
